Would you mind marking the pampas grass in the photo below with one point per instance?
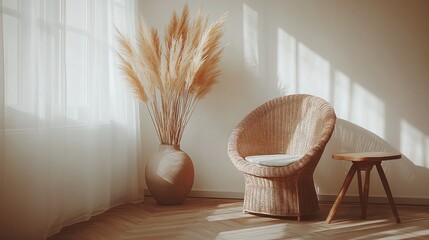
(171, 76)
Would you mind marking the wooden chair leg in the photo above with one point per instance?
(342, 193)
(388, 192)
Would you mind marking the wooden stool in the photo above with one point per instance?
(364, 161)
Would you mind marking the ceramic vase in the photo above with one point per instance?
(169, 175)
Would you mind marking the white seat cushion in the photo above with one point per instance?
(276, 160)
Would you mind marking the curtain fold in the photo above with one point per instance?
(69, 130)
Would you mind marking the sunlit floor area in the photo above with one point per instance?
(204, 218)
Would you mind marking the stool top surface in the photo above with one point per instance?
(366, 156)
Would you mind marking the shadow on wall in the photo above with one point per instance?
(371, 116)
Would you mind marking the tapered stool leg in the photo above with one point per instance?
(359, 177)
(388, 192)
(342, 193)
(364, 203)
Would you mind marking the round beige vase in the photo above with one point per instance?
(169, 175)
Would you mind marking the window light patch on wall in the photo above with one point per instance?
(414, 144)
(286, 63)
(342, 89)
(302, 70)
(250, 39)
(313, 73)
(367, 110)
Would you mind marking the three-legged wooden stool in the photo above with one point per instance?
(364, 162)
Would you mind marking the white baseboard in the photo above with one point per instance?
(216, 194)
(382, 200)
(322, 198)
(209, 194)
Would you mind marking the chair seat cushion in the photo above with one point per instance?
(275, 160)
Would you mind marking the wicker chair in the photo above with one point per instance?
(296, 124)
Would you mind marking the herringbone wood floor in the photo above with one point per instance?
(203, 218)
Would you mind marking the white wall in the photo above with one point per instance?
(370, 59)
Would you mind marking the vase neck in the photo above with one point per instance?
(168, 146)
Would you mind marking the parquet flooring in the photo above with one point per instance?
(204, 218)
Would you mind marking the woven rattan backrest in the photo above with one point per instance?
(291, 124)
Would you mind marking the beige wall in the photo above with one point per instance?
(370, 59)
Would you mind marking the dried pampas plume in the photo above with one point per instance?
(171, 76)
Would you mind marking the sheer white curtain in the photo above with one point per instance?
(69, 129)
